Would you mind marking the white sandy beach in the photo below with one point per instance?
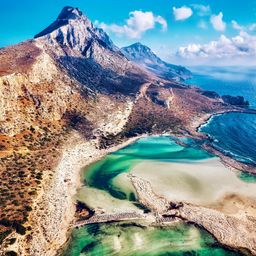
(200, 182)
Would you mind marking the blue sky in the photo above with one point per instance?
(174, 23)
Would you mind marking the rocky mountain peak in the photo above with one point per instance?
(143, 55)
(73, 30)
(68, 16)
(140, 53)
(68, 13)
(140, 46)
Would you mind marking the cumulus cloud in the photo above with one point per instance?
(202, 24)
(242, 46)
(138, 23)
(252, 27)
(202, 10)
(182, 13)
(217, 22)
(236, 26)
(248, 28)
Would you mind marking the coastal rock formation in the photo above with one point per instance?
(66, 96)
(223, 226)
(142, 55)
(238, 101)
(235, 100)
(211, 94)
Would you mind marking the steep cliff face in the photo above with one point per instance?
(72, 29)
(71, 79)
(143, 55)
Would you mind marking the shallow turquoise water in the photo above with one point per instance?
(232, 133)
(248, 177)
(161, 148)
(133, 239)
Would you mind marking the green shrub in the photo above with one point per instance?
(11, 253)
(4, 235)
(12, 240)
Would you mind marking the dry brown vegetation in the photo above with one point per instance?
(18, 58)
(25, 159)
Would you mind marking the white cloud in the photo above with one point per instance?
(161, 21)
(182, 13)
(138, 23)
(241, 47)
(236, 26)
(252, 27)
(202, 24)
(202, 10)
(217, 22)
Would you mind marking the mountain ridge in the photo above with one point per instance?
(80, 48)
(143, 55)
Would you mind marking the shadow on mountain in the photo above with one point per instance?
(97, 78)
(78, 122)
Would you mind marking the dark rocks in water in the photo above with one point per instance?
(132, 224)
(83, 211)
(235, 100)
(211, 94)
(89, 247)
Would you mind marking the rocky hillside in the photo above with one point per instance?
(72, 79)
(143, 55)
(88, 54)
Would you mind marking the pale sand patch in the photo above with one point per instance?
(200, 182)
(117, 245)
(236, 205)
(121, 182)
(100, 199)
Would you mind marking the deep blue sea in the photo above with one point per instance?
(233, 133)
(227, 80)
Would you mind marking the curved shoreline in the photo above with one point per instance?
(222, 226)
(51, 234)
(54, 208)
(228, 161)
(129, 141)
(190, 212)
(210, 116)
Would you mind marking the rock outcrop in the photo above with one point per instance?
(235, 100)
(223, 226)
